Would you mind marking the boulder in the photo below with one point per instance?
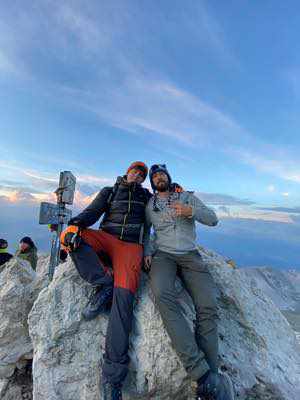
(16, 299)
(19, 385)
(258, 348)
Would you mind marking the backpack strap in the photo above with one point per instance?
(113, 192)
(111, 196)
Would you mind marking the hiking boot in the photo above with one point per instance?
(216, 386)
(112, 391)
(99, 301)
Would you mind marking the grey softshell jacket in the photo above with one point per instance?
(176, 235)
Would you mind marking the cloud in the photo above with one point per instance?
(19, 188)
(291, 210)
(252, 214)
(282, 164)
(94, 180)
(222, 199)
(43, 184)
(153, 106)
(87, 32)
(104, 27)
(223, 210)
(145, 101)
(81, 200)
(254, 242)
(293, 78)
(122, 87)
(296, 218)
(17, 197)
(40, 187)
(6, 65)
(207, 30)
(247, 241)
(271, 188)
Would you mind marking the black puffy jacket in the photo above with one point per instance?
(124, 207)
(4, 257)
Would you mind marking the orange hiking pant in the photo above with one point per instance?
(126, 259)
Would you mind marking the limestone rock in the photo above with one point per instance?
(258, 345)
(18, 386)
(42, 279)
(68, 351)
(16, 300)
(258, 348)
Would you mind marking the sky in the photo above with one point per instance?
(210, 88)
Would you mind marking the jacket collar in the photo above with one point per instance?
(122, 180)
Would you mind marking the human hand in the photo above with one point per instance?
(182, 210)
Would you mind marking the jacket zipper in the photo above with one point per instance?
(126, 215)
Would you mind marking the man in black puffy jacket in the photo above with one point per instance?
(120, 237)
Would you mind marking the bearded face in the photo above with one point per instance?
(161, 181)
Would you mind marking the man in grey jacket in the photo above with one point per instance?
(171, 253)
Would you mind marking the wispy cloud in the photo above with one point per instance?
(255, 214)
(224, 210)
(6, 65)
(33, 180)
(145, 100)
(94, 180)
(290, 210)
(207, 29)
(293, 78)
(281, 163)
(119, 86)
(223, 199)
(152, 106)
(17, 197)
(6, 189)
(228, 206)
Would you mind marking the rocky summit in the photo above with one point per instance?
(43, 325)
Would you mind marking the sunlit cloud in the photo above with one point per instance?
(222, 199)
(17, 197)
(91, 179)
(255, 215)
(81, 200)
(271, 188)
(290, 210)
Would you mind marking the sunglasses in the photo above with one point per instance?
(138, 172)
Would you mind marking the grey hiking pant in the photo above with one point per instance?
(198, 351)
